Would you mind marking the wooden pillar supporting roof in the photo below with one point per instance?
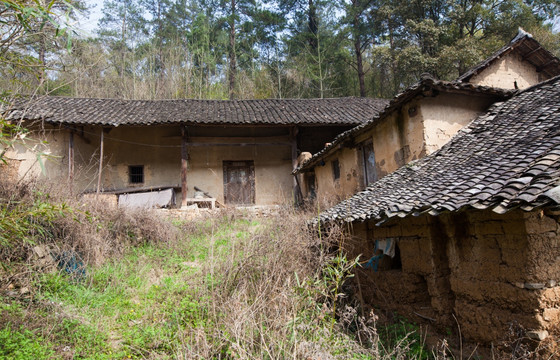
(100, 162)
(293, 139)
(71, 161)
(184, 164)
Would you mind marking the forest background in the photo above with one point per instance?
(245, 49)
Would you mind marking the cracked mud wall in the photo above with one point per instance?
(486, 269)
(508, 70)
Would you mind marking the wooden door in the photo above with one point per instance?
(239, 182)
(368, 160)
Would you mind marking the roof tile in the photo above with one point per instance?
(114, 112)
(507, 158)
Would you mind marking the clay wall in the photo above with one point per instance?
(50, 143)
(330, 190)
(508, 70)
(399, 139)
(158, 149)
(445, 114)
(486, 269)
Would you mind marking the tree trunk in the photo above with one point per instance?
(312, 24)
(232, 57)
(42, 57)
(360, 66)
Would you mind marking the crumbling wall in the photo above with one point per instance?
(158, 149)
(48, 144)
(486, 269)
(543, 265)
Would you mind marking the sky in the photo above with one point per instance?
(89, 23)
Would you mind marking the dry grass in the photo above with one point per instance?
(226, 286)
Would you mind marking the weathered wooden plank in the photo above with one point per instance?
(296, 189)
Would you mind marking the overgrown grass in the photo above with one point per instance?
(222, 287)
(226, 288)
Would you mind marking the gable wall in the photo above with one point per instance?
(503, 72)
(398, 139)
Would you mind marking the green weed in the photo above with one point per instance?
(23, 344)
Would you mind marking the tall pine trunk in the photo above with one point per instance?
(232, 55)
(360, 65)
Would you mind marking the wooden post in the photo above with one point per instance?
(184, 163)
(293, 139)
(100, 162)
(71, 161)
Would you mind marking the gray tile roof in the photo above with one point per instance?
(507, 158)
(113, 112)
(531, 51)
(425, 87)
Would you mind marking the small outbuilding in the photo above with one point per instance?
(471, 231)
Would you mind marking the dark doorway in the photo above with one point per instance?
(368, 161)
(239, 182)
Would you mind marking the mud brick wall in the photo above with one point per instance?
(487, 269)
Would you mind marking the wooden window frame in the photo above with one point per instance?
(136, 174)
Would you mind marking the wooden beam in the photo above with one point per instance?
(528, 55)
(100, 162)
(293, 137)
(547, 64)
(239, 144)
(184, 164)
(71, 161)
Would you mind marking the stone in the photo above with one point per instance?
(41, 251)
(551, 283)
(534, 286)
(539, 335)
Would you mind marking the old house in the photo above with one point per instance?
(420, 120)
(238, 152)
(472, 230)
(520, 64)
(415, 123)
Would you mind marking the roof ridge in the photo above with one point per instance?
(202, 100)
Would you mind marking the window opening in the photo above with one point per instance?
(310, 182)
(336, 169)
(386, 255)
(136, 174)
